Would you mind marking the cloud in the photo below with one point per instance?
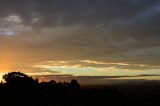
(99, 79)
(99, 65)
(108, 33)
(51, 13)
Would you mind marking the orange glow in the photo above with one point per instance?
(5, 63)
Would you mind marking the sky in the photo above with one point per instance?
(85, 39)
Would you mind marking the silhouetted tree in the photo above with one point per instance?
(19, 79)
(52, 82)
(74, 84)
(13, 75)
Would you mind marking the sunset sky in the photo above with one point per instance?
(85, 39)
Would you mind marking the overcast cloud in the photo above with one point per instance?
(33, 32)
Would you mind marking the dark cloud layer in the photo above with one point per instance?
(113, 13)
(103, 30)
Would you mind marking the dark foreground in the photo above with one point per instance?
(21, 90)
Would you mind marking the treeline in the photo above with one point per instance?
(19, 89)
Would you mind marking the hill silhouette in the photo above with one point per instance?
(19, 89)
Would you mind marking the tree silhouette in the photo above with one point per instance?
(74, 84)
(13, 75)
(19, 79)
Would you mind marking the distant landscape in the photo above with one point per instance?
(19, 89)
